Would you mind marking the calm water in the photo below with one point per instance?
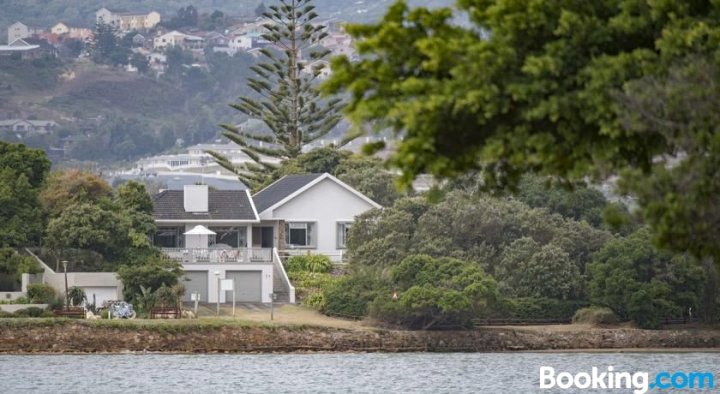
(318, 373)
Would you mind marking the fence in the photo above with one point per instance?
(231, 256)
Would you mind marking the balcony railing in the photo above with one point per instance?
(219, 256)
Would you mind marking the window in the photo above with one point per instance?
(168, 237)
(342, 234)
(300, 235)
(234, 237)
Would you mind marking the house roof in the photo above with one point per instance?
(289, 187)
(281, 189)
(222, 205)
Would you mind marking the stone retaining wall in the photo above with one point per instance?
(87, 337)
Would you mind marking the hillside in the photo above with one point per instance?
(45, 13)
(117, 114)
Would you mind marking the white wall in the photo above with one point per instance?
(325, 203)
(267, 277)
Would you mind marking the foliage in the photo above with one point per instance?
(351, 295)
(679, 197)
(579, 203)
(13, 264)
(317, 263)
(40, 293)
(641, 283)
(66, 188)
(290, 106)
(133, 196)
(32, 311)
(309, 286)
(185, 17)
(435, 293)
(529, 270)
(595, 315)
(151, 273)
(565, 89)
(105, 46)
(22, 173)
(76, 295)
(536, 308)
(86, 215)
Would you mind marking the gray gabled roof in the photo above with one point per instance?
(282, 188)
(222, 205)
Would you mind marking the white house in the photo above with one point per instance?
(311, 212)
(219, 234)
(210, 232)
(176, 38)
(239, 43)
(18, 31)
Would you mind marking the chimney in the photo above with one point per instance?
(196, 198)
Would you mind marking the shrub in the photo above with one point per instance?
(537, 308)
(32, 311)
(315, 301)
(307, 284)
(153, 273)
(595, 315)
(5, 314)
(41, 294)
(318, 263)
(76, 295)
(351, 295)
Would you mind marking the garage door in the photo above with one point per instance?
(100, 294)
(196, 281)
(248, 286)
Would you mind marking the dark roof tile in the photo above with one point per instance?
(222, 205)
(282, 188)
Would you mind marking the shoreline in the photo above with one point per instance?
(23, 337)
(555, 351)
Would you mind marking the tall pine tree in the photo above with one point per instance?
(290, 104)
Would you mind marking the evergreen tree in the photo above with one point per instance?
(290, 105)
(104, 42)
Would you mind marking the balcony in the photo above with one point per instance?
(220, 256)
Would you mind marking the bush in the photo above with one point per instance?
(152, 273)
(351, 295)
(41, 294)
(32, 311)
(595, 315)
(537, 308)
(308, 284)
(5, 314)
(318, 263)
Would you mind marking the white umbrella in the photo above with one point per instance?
(200, 230)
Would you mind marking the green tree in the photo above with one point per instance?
(549, 89)
(133, 196)
(435, 293)
(12, 266)
(104, 43)
(66, 188)
(22, 173)
(139, 61)
(641, 283)
(290, 105)
(151, 273)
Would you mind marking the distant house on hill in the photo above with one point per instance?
(28, 126)
(62, 29)
(18, 31)
(176, 38)
(128, 21)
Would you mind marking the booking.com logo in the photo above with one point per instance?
(639, 381)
